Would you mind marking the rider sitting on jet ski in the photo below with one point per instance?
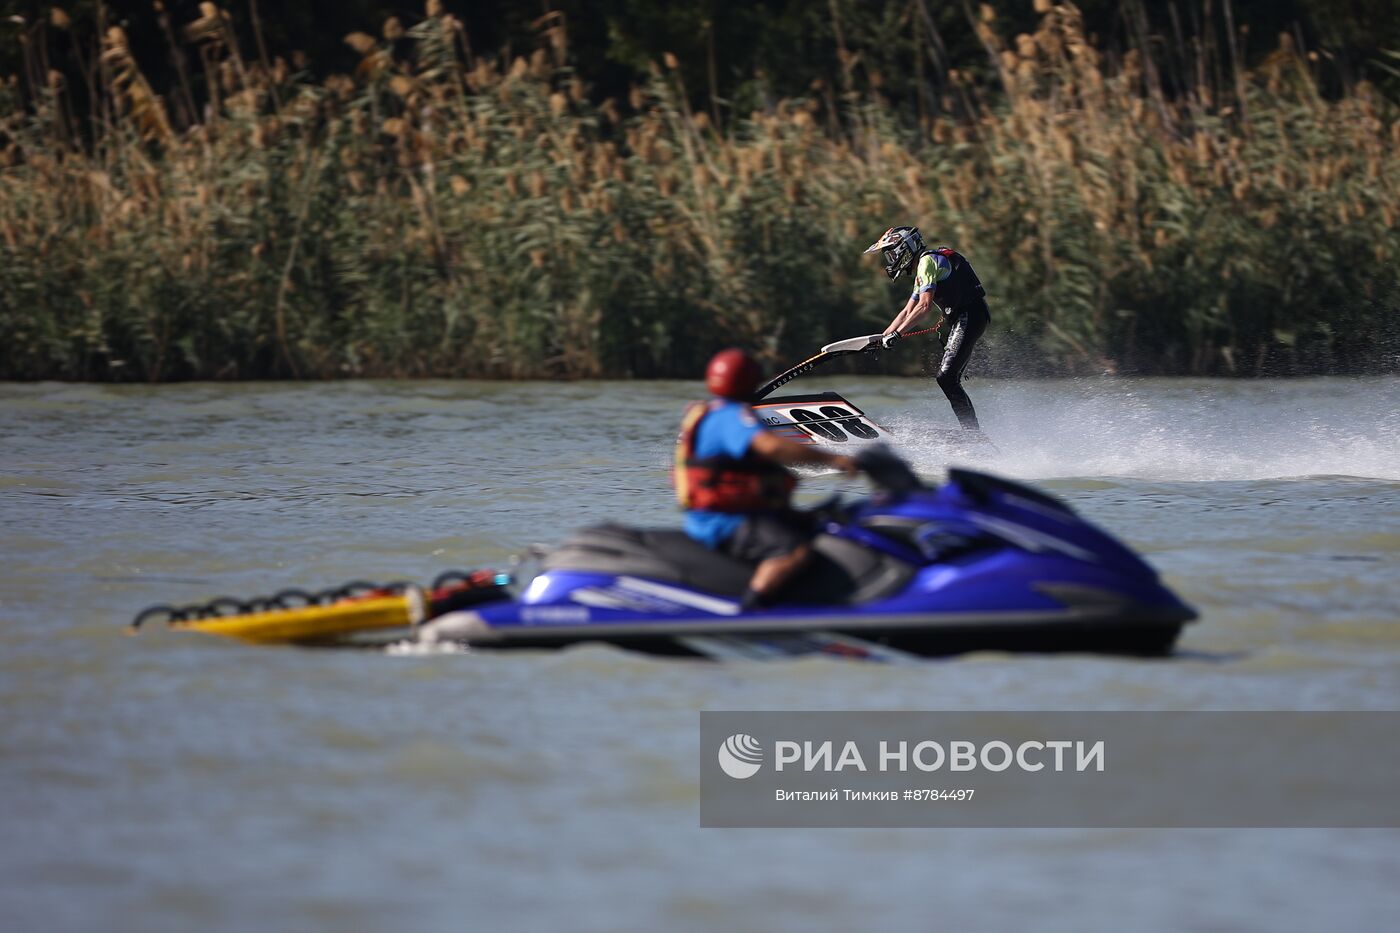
(731, 479)
(943, 278)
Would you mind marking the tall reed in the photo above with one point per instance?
(440, 213)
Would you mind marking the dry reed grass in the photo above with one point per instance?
(442, 214)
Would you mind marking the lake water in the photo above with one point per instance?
(180, 782)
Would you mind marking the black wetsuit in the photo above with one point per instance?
(963, 300)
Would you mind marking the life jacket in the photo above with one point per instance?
(961, 285)
(726, 484)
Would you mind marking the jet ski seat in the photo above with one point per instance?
(654, 553)
(841, 571)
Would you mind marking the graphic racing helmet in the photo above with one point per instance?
(733, 374)
(900, 247)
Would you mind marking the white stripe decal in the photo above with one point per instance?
(604, 600)
(1030, 538)
(722, 607)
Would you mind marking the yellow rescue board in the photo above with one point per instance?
(316, 623)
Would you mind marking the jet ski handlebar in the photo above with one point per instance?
(887, 470)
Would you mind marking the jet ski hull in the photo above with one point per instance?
(1001, 603)
(980, 563)
(918, 635)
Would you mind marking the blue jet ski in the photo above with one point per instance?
(977, 563)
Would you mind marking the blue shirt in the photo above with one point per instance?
(725, 431)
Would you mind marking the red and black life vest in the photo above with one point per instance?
(726, 484)
(961, 285)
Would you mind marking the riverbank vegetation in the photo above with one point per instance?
(444, 212)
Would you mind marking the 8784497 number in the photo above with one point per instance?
(934, 794)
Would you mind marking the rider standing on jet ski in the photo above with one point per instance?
(943, 279)
(731, 478)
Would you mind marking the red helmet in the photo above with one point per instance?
(733, 374)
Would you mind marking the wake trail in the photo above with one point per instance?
(1048, 432)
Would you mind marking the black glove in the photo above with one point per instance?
(888, 340)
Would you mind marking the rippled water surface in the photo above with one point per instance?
(181, 782)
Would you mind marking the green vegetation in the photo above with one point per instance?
(445, 213)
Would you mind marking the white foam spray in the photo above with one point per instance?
(1176, 430)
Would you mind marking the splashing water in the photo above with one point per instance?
(1182, 430)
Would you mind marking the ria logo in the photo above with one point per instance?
(740, 756)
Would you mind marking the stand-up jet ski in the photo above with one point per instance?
(975, 563)
(828, 419)
(818, 418)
